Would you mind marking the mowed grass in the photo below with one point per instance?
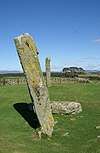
(72, 133)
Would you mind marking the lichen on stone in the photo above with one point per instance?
(28, 55)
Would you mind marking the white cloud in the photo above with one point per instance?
(90, 58)
(97, 41)
(93, 66)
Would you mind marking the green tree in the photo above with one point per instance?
(73, 71)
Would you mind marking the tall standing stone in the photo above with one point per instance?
(28, 55)
(48, 73)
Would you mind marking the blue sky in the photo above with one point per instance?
(68, 31)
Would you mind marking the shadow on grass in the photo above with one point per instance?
(27, 112)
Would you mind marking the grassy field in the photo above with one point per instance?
(72, 133)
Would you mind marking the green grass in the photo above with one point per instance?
(16, 136)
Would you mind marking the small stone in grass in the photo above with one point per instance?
(72, 119)
(65, 134)
(98, 137)
(97, 127)
(55, 122)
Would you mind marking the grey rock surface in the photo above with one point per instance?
(48, 73)
(28, 55)
(65, 107)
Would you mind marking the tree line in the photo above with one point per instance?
(73, 71)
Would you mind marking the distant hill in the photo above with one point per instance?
(92, 71)
(9, 72)
(57, 73)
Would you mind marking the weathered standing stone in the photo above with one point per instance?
(48, 74)
(28, 55)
